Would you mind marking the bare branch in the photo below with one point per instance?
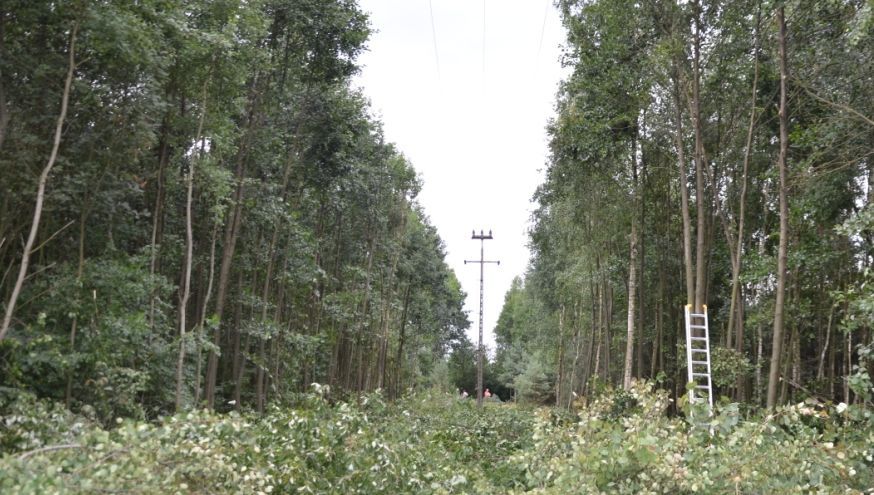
(49, 448)
(839, 106)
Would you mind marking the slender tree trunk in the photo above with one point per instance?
(560, 356)
(632, 275)
(157, 214)
(828, 332)
(735, 320)
(848, 366)
(700, 203)
(265, 295)
(776, 350)
(590, 348)
(832, 356)
(597, 366)
(578, 345)
(399, 356)
(608, 330)
(4, 109)
(202, 321)
(232, 231)
(642, 267)
(186, 285)
(278, 342)
(238, 359)
(655, 362)
(189, 255)
(41, 186)
(684, 190)
(759, 362)
(796, 356)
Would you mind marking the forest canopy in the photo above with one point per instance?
(704, 153)
(197, 208)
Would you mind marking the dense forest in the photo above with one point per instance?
(704, 153)
(197, 209)
(216, 277)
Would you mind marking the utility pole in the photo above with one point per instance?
(480, 350)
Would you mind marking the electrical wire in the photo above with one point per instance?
(543, 28)
(434, 37)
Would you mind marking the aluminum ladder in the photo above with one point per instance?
(698, 356)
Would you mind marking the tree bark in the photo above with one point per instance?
(238, 359)
(700, 204)
(265, 293)
(655, 364)
(232, 229)
(163, 157)
(776, 350)
(232, 232)
(578, 346)
(632, 275)
(202, 320)
(399, 356)
(189, 255)
(641, 267)
(735, 320)
(41, 186)
(4, 109)
(560, 356)
(590, 346)
(684, 191)
(828, 332)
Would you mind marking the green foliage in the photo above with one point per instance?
(726, 365)
(645, 451)
(623, 442)
(536, 383)
(30, 423)
(422, 444)
(309, 249)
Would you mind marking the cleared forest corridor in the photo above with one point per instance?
(219, 273)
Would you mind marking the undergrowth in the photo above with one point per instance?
(623, 442)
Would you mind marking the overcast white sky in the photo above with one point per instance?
(471, 118)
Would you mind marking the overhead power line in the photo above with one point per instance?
(434, 37)
(543, 27)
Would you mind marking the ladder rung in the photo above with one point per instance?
(707, 387)
(694, 349)
(700, 374)
(698, 326)
(699, 315)
(698, 338)
(700, 362)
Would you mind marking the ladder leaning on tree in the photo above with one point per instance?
(698, 356)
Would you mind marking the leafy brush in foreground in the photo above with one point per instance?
(422, 444)
(624, 443)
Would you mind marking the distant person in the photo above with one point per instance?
(487, 394)
(464, 394)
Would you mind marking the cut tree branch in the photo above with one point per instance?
(49, 448)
